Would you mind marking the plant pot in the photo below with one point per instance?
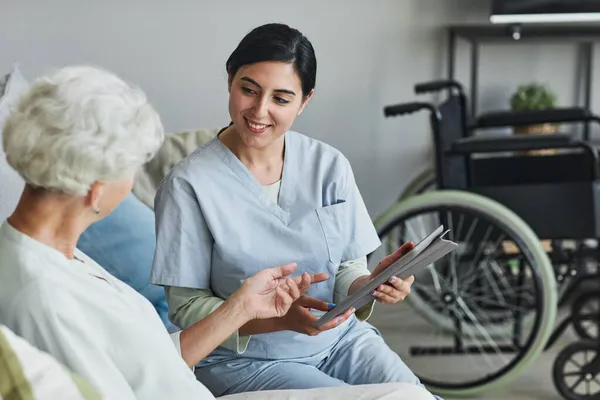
(541, 129)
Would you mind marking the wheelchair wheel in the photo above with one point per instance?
(576, 371)
(585, 314)
(422, 183)
(479, 316)
(393, 238)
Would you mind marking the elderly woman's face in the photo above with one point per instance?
(113, 193)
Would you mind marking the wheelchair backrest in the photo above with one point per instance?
(452, 172)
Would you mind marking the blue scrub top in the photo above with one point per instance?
(216, 226)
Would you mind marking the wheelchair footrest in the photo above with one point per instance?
(454, 350)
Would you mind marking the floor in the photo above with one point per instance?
(534, 383)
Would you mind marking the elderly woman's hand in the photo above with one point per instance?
(269, 294)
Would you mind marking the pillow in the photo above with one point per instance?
(3, 84)
(11, 183)
(28, 373)
(176, 147)
(11, 89)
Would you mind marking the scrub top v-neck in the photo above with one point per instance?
(280, 209)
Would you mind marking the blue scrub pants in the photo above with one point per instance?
(359, 357)
(123, 243)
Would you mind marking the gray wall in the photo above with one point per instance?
(370, 53)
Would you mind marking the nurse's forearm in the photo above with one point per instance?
(207, 334)
(358, 283)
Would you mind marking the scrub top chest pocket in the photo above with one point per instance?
(334, 224)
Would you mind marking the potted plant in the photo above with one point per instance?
(534, 96)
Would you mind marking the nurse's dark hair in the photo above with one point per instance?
(277, 42)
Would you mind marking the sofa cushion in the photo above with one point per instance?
(176, 147)
(29, 373)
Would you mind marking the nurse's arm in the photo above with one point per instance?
(189, 305)
(348, 279)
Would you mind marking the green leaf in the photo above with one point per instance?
(533, 96)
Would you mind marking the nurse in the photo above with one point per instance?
(261, 194)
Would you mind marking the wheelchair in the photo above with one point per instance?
(569, 272)
(517, 218)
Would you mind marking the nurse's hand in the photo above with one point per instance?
(269, 294)
(396, 289)
(300, 319)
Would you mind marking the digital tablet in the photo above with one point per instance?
(426, 252)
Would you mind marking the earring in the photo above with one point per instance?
(96, 211)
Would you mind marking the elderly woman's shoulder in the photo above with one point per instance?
(27, 274)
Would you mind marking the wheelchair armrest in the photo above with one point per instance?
(492, 144)
(530, 117)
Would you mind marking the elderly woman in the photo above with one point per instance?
(77, 138)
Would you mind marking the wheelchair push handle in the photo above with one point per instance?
(436, 86)
(405, 108)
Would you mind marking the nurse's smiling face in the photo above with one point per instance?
(264, 100)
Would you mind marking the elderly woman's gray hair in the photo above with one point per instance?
(80, 125)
